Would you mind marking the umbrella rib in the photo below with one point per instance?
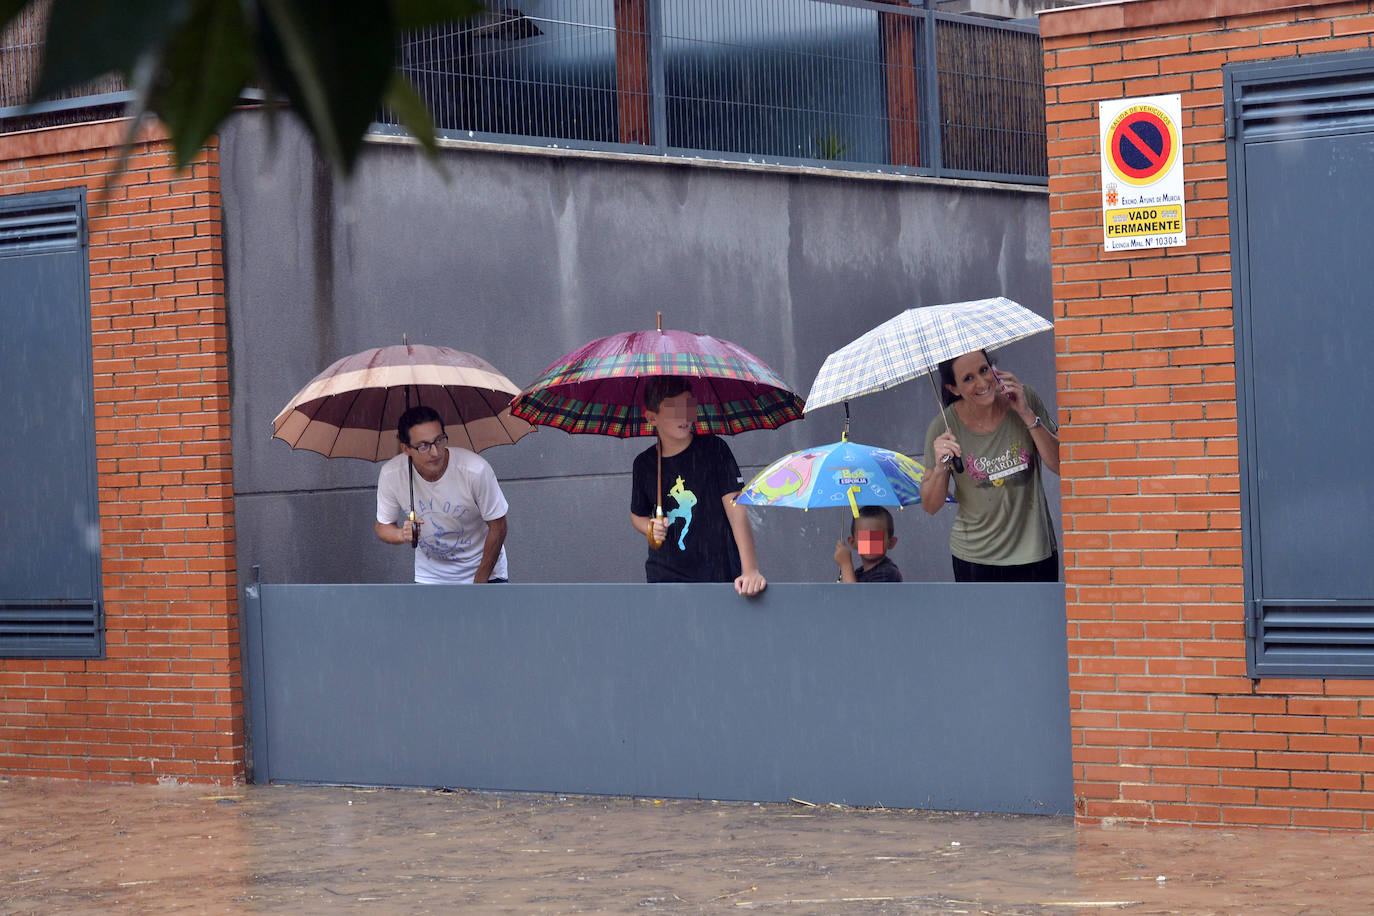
(339, 427)
(715, 394)
(462, 420)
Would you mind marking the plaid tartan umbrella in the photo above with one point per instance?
(598, 388)
(916, 342)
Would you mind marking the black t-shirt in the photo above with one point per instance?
(885, 571)
(700, 546)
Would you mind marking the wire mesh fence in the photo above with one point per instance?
(992, 99)
(828, 82)
(841, 83)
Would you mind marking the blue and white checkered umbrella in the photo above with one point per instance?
(916, 342)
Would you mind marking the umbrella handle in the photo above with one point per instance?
(658, 451)
(954, 461)
(649, 532)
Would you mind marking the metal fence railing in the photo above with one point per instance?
(827, 82)
(841, 83)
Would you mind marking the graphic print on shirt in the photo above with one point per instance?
(993, 470)
(436, 540)
(685, 499)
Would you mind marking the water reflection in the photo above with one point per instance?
(82, 848)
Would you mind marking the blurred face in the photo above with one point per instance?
(675, 418)
(973, 379)
(870, 537)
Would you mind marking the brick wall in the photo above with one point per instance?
(166, 701)
(1167, 727)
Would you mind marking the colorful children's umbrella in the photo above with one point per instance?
(842, 473)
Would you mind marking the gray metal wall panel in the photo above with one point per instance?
(927, 696)
(520, 257)
(1309, 327)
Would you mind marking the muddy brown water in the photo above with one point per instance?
(68, 847)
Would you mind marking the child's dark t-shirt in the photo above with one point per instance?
(700, 546)
(884, 571)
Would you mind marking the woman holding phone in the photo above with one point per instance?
(993, 438)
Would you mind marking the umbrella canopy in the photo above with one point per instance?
(598, 388)
(842, 473)
(350, 409)
(916, 342)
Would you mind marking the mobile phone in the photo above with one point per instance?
(1000, 387)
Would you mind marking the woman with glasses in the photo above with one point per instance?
(460, 511)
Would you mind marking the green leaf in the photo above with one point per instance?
(87, 39)
(407, 105)
(202, 72)
(416, 14)
(334, 66)
(9, 9)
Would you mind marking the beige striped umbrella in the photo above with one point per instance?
(350, 409)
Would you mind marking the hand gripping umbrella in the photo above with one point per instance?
(350, 410)
(915, 342)
(598, 389)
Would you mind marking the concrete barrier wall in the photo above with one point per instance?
(937, 696)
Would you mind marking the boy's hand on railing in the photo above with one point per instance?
(750, 584)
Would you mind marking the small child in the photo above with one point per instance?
(872, 534)
(705, 536)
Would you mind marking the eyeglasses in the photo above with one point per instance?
(439, 442)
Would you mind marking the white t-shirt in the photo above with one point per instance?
(454, 510)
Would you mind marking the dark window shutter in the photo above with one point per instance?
(1300, 143)
(50, 584)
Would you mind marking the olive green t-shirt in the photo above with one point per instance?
(1003, 518)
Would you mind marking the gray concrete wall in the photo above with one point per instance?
(519, 257)
(919, 695)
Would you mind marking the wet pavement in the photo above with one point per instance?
(77, 848)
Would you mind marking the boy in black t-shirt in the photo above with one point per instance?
(872, 533)
(704, 537)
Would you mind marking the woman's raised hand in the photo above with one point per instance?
(1011, 387)
(946, 447)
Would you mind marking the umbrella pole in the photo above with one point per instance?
(414, 528)
(956, 462)
(658, 494)
(410, 466)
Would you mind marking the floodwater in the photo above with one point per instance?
(72, 847)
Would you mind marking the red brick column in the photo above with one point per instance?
(167, 701)
(898, 35)
(1166, 724)
(634, 100)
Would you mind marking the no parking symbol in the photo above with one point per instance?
(1141, 169)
